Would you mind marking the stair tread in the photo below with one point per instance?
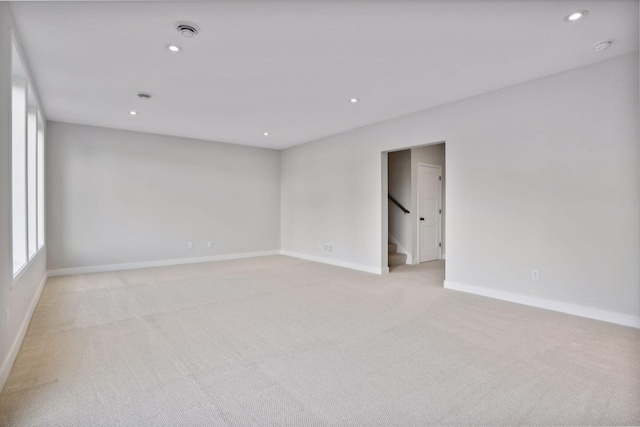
(397, 259)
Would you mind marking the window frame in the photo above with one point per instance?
(39, 175)
(22, 92)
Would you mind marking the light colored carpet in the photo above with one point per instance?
(281, 341)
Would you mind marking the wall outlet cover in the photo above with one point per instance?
(535, 274)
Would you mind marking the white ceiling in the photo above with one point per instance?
(290, 67)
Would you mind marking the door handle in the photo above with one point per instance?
(421, 219)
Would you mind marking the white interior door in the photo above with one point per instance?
(429, 212)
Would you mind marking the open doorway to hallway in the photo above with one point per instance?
(415, 205)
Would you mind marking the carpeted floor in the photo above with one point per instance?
(280, 341)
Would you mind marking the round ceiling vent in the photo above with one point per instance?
(187, 29)
(603, 45)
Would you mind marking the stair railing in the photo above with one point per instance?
(397, 203)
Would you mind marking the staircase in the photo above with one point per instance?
(396, 259)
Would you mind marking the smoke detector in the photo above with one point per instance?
(187, 29)
(144, 96)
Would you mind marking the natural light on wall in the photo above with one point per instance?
(27, 162)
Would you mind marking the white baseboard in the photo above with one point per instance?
(563, 307)
(159, 263)
(7, 363)
(353, 266)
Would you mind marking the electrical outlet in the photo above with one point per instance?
(190, 245)
(327, 248)
(210, 244)
(535, 274)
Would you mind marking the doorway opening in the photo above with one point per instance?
(414, 205)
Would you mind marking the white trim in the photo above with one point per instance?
(159, 263)
(353, 266)
(563, 307)
(25, 267)
(7, 363)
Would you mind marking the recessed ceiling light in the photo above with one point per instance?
(354, 100)
(603, 45)
(133, 113)
(173, 48)
(575, 16)
(266, 134)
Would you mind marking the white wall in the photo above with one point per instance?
(543, 174)
(433, 155)
(331, 194)
(127, 197)
(22, 297)
(400, 224)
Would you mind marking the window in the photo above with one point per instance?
(40, 181)
(19, 162)
(32, 145)
(27, 163)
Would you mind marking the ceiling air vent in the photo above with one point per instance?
(187, 29)
(144, 96)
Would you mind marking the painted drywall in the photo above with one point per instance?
(432, 155)
(539, 175)
(127, 197)
(400, 223)
(22, 297)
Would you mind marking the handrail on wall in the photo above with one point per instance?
(397, 203)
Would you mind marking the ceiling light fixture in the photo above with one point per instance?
(603, 45)
(354, 100)
(187, 29)
(576, 16)
(173, 48)
(133, 113)
(266, 134)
